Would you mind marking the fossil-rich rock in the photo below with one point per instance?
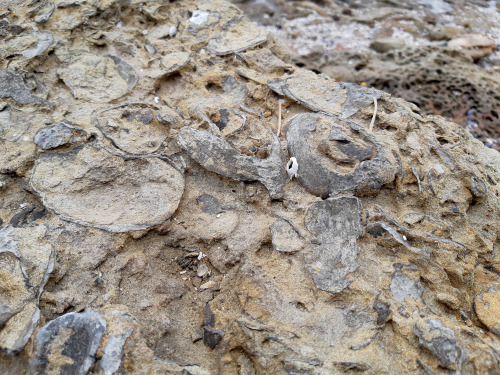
(234, 213)
(130, 194)
(133, 128)
(26, 261)
(441, 341)
(487, 306)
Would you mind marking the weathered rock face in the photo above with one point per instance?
(147, 224)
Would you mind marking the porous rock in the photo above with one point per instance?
(138, 193)
(487, 306)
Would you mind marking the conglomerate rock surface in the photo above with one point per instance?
(148, 224)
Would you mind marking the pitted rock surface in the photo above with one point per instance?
(166, 210)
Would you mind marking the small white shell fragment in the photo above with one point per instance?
(292, 167)
(23, 205)
(207, 285)
(404, 238)
(439, 169)
(198, 17)
(202, 270)
(172, 31)
(157, 99)
(182, 272)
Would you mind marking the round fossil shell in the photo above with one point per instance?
(236, 38)
(93, 187)
(98, 78)
(337, 155)
(134, 128)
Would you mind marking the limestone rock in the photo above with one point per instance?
(68, 344)
(285, 237)
(26, 263)
(476, 46)
(387, 44)
(12, 85)
(139, 192)
(239, 36)
(59, 134)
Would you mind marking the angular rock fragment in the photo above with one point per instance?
(285, 238)
(487, 306)
(238, 37)
(441, 341)
(214, 154)
(68, 344)
(98, 78)
(336, 156)
(211, 337)
(59, 134)
(133, 128)
(18, 330)
(170, 63)
(335, 224)
(125, 194)
(12, 85)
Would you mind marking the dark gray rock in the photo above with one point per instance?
(211, 337)
(210, 206)
(335, 224)
(441, 341)
(215, 155)
(12, 85)
(59, 134)
(336, 156)
(383, 312)
(67, 345)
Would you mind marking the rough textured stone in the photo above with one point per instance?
(133, 128)
(13, 86)
(237, 37)
(169, 220)
(285, 237)
(59, 134)
(68, 344)
(70, 183)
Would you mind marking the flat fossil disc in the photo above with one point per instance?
(98, 78)
(93, 187)
(238, 37)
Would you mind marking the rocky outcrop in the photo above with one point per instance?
(148, 223)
